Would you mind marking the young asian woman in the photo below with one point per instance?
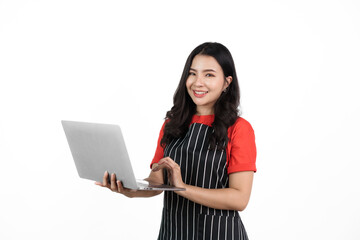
(205, 147)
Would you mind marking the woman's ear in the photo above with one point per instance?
(228, 80)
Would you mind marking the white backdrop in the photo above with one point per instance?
(120, 62)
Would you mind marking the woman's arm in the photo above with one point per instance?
(117, 187)
(235, 197)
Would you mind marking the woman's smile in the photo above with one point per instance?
(200, 94)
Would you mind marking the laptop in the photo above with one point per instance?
(97, 148)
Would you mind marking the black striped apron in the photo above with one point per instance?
(184, 219)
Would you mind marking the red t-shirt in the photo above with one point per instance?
(241, 148)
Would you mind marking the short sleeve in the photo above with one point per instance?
(241, 149)
(159, 153)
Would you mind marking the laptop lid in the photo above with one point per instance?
(97, 148)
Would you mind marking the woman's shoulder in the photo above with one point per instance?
(240, 125)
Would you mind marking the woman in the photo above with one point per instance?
(206, 148)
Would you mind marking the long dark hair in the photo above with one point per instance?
(225, 108)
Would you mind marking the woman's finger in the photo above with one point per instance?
(113, 185)
(162, 166)
(171, 163)
(120, 186)
(162, 161)
(105, 179)
(99, 184)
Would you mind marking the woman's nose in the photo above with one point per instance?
(199, 81)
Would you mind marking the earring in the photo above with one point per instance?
(225, 90)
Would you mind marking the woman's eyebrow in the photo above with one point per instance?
(205, 70)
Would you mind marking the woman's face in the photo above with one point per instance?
(205, 83)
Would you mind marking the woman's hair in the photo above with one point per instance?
(225, 108)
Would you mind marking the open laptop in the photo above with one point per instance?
(97, 148)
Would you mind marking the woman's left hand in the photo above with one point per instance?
(173, 170)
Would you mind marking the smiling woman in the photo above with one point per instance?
(206, 148)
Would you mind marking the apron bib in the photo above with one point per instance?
(184, 219)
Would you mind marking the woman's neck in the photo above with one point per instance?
(204, 111)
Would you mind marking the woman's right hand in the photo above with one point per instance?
(115, 186)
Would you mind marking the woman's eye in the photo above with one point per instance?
(191, 74)
(209, 75)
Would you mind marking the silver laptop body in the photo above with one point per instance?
(97, 148)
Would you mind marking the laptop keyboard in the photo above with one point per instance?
(143, 185)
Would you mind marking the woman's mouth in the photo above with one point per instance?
(199, 94)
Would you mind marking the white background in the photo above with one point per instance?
(120, 62)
